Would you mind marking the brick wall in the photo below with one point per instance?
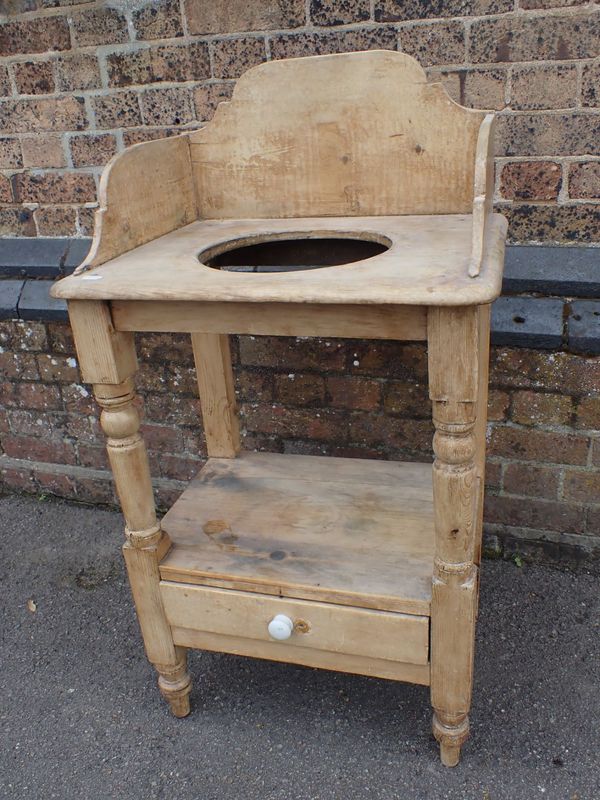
(79, 81)
(329, 397)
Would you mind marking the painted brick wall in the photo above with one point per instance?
(81, 80)
(329, 397)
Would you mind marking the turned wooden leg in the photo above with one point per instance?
(453, 336)
(107, 360)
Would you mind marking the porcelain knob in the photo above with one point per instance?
(280, 627)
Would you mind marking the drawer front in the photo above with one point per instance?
(323, 626)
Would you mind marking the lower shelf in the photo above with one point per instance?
(345, 531)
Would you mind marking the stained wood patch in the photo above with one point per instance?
(345, 531)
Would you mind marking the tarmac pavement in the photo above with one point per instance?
(81, 717)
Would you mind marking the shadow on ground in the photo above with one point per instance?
(81, 717)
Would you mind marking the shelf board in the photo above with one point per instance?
(338, 530)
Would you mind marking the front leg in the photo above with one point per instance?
(453, 378)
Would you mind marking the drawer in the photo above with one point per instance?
(380, 635)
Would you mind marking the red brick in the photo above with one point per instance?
(56, 221)
(102, 25)
(377, 430)
(65, 187)
(92, 457)
(451, 80)
(60, 338)
(179, 468)
(55, 483)
(118, 110)
(85, 221)
(31, 395)
(332, 12)
(531, 480)
(544, 87)
(493, 475)
(43, 151)
(136, 135)
(485, 88)
(296, 423)
(553, 134)
(588, 413)
(208, 97)
(593, 521)
(89, 151)
(533, 513)
(379, 359)
(172, 409)
(584, 180)
(34, 35)
(42, 114)
(95, 490)
(160, 63)
(78, 71)
(30, 336)
(21, 479)
(536, 408)
(22, 366)
(162, 438)
(532, 445)
(294, 45)
(47, 424)
(5, 190)
(34, 77)
(233, 16)
(167, 106)
(534, 369)
(10, 154)
(297, 389)
(57, 369)
(78, 399)
(407, 399)
(531, 180)
(39, 449)
(354, 392)
(255, 386)
(524, 38)
(563, 224)
(582, 487)
(232, 57)
(435, 42)
(497, 405)
(159, 20)
(301, 354)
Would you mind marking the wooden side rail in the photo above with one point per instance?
(483, 190)
(145, 192)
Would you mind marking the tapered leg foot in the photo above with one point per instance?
(175, 685)
(451, 735)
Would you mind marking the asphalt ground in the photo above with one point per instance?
(81, 717)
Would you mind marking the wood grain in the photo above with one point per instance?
(306, 656)
(426, 264)
(320, 626)
(145, 192)
(212, 357)
(407, 323)
(345, 531)
(350, 134)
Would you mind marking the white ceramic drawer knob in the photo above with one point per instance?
(280, 627)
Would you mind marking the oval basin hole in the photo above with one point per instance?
(291, 255)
